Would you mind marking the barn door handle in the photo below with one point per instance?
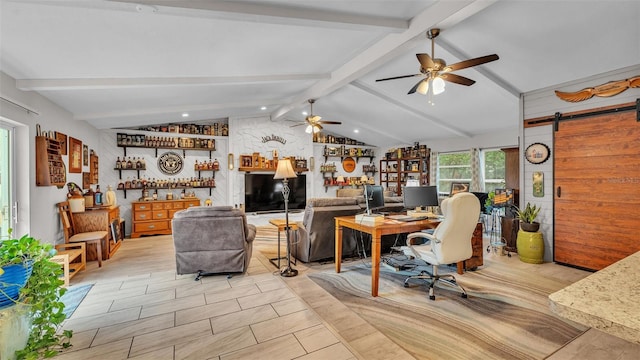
(558, 191)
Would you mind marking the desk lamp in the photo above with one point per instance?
(285, 171)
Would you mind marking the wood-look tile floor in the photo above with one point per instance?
(139, 308)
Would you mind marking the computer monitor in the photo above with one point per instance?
(374, 197)
(420, 196)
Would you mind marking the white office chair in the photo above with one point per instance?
(449, 243)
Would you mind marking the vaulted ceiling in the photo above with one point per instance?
(133, 63)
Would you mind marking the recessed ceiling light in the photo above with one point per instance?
(356, 131)
(305, 113)
(263, 108)
(185, 114)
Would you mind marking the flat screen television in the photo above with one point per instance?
(263, 193)
(420, 196)
(374, 197)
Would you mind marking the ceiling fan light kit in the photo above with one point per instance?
(314, 122)
(436, 71)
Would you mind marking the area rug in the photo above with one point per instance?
(504, 317)
(73, 297)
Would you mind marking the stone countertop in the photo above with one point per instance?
(607, 300)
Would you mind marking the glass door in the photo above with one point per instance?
(6, 180)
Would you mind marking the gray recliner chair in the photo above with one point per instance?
(212, 240)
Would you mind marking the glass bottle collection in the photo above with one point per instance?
(187, 182)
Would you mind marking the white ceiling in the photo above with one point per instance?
(132, 63)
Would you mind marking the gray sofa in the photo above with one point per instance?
(212, 239)
(316, 231)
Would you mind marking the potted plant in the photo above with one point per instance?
(527, 218)
(40, 295)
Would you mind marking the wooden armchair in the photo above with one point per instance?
(96, 238)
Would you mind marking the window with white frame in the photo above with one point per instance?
(455, 167)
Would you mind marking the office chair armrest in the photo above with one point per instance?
(421, 235)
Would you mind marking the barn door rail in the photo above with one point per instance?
(559, 117)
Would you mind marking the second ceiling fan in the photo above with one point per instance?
(436, 71)
(314, 122)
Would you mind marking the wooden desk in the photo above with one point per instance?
(281, 224)
(376, 232)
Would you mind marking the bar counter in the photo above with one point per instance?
(607, 300)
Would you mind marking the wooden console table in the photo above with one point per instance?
(154, 217)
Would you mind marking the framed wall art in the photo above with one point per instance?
(62, 139)
(85, 155)
(457, 187)
(75, 155)
(86, 180)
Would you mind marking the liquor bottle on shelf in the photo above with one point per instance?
(97, 196)
(120, 185)
(216, 165)
(118, 163)
(129, 163)
(138, 163)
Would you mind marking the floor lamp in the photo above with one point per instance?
(284, 172)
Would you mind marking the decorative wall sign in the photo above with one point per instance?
(605, 90)
(85, 155)
(538, 184)
(170, 163)
(348, 164)
(274, 137)
(537, 153)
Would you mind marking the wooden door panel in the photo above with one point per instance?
(597, 168)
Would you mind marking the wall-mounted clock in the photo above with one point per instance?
(537, 153)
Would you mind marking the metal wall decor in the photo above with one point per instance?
(538, 184)
(170, 163)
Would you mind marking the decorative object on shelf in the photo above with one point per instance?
(284, 172)
(110, 196)
(170, 163)
(537, 153)
(75, 155)
(348, 164)
(364, 180)
(538, 184)
(605, 90)
(340, 180)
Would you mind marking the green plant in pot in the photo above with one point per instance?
(527, 218)
(40, 295)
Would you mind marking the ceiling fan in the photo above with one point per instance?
(314, 122)
(436, 71)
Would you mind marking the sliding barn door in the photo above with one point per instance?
(597, 190)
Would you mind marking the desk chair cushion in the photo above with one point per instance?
(88, 236)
